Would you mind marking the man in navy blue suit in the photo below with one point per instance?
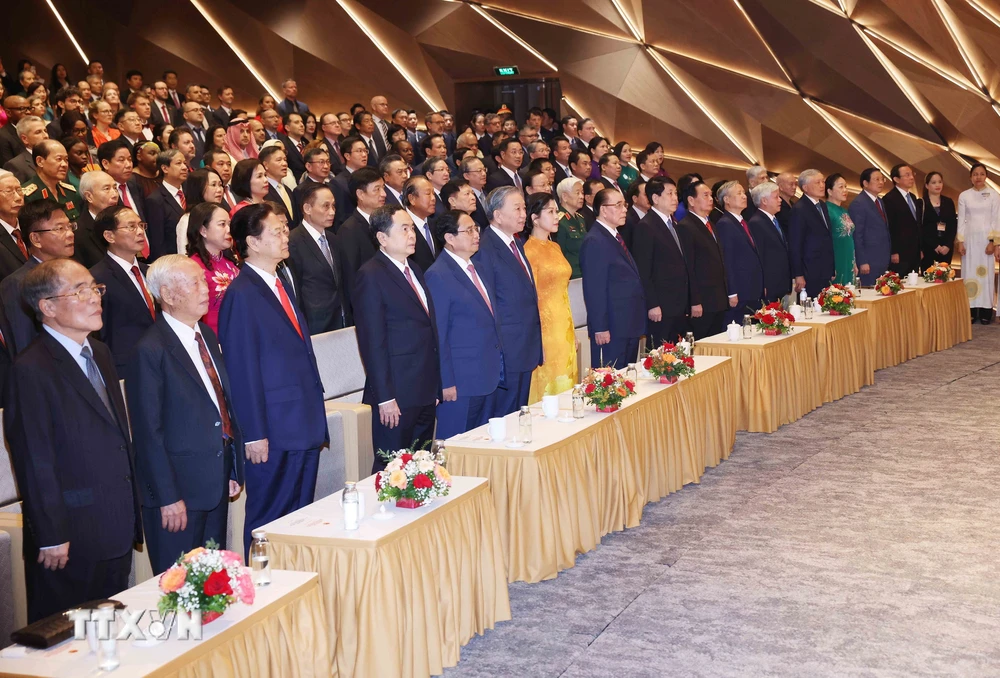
(502, 263)
(189, 460)
(872, 241)
(739, 251)
(612, 288)
(468, 335)
(810, 244)
(277, 393)
(772, 245)
(397, 337)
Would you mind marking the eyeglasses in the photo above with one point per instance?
(474, 229)
(84, 294)
(132, 228)
(12, 191)
(60, 231)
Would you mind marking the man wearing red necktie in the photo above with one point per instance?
(744, 272)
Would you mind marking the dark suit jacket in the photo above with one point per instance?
(126, 316)
(320, 287)
(357, 246)
(744, 273)
(772, 248)
(560, 175)
(704, 256)
(810, 246)
(497, 179)
(275, 197)
(396, 336)
(627, 230)
(515, 303)
(612, 289)
(663, 269)
(10, 143)
(87, 249)
(11, 258)
(199, 143)
(296, 163)
(345, 201)
(904, 230)
(588, 216)
(486, 145)
(156, 117)
(277, 392)
(138, 198)
(468, 332)
(390, 198)
(422, 255)
(221, 116)
(18, 322)
(931, 237)
(162, 214)
(479, 216)
(72, 457)
(22, 165)
(297, 200)
(179, 451)
(785, 216)
(336, 162)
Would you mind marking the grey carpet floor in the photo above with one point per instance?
(861, 540)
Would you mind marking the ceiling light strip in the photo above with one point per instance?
(832, 122)
(760, 36)
(729, 69)
(937, 68)
(69, 33)
(901, 82)
(628, 22)
(543, 20)
(511, 34)
(843, 8)
(968, 165)
(985, 12)
(581, 114)
(889, 128)
(236, 50)
(704, 109)
(390, 57)
(953, 32)
(702, 161)
(830, 8)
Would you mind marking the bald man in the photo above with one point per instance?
(11, 145)
(787, 184)
(380, 116)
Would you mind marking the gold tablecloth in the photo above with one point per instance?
(559, 497)
(776, 377)
(404, 604)
(898, 326)
(945, 315)
(843, 353)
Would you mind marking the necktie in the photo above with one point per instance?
(300, 145)
(94, 376)
(123, 192)
(822, 213)
(621, 241)
(746, 229)
(427, 235)
(781, 233)
(913, 207)
(673, 232)
(371, 149)
(286, 304)
(182, 200)
(409, 279)
(145, 293)
(20, 241)
(165, 114)
(284, 198)
(517, 255)
(708, 225)
(324, 247)
(385, 130)
(517, 181)
(475, 281)
(230, 198)
(213, 376)
(881, 212)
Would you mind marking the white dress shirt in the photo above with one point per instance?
(270, 278)
(172, 190)
(9, 228)
(422, 229)
(396, 194)
(468, 274)
(128, 193)
(186, 335)
(75, 349)
(127, 267)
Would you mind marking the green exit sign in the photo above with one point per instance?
(506, 70)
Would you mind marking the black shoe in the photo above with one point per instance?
(985, 316)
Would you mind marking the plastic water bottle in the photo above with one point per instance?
(260, 558)
(524, 424)
(578, 401)
(352, 507)
(803, 298)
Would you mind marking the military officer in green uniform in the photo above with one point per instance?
(51, 165)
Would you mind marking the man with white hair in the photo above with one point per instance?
(772, 245)
(31, 131)
(810, 243)
(13, 251)
(189, 460)
(99, 192)
(756, 175)
(744, 274)
(291, 103)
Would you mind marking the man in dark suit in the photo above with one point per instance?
(474, 171)
(420, 201)
(355, 238)
(277, 393)
(128, 309)
(314, 257)
(772, 247)
(115, 159)
(612, 288)
(468, 334)
(394, 174)
(189, 460)
(99, 192)
(317, 164)
(68, 433)
(510, 154)
(872, 241)
(48, 235)
(166, 205)
(659, 251)
(561, 150)
(905, 214)
(397, 337)
(31, 132)
(756, 175)
(13, 251)
(810, 243)
(493, 124)
(295, 144)
(744, 272)
(787, 182)
(355, 157)
(637, 207)
(275, 164)
(163, 110)
(611, 169)
(224, 112)
(11, 145)
(591, 187)
(709, 293)
(501, 262)
(330, 133)
(194, 120)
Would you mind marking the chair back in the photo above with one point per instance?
(340, 366)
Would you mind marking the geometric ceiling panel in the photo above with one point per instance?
(598, 16)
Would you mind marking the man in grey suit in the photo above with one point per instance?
(31, 131)
(872, 244)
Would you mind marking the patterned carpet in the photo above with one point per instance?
(859, 541)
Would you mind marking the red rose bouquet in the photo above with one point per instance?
(412, 478)
(207, 581)
(773, 319)
(606, 389)
(888, 284)
(836, 300)
(939, 273)
(668, 363)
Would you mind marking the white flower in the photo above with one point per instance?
(425, 466)
(394, 465)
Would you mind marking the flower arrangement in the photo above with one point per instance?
(412, 478)
(940, 272)
(888, 284)
(836, 300)
(606, 389)
(773, 319)
(668, 363)
(206, 580)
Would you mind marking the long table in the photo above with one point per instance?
(898, 325)
(575, 482)
(402, 595)
(945, 315)
(776, 377)
(844, 348)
